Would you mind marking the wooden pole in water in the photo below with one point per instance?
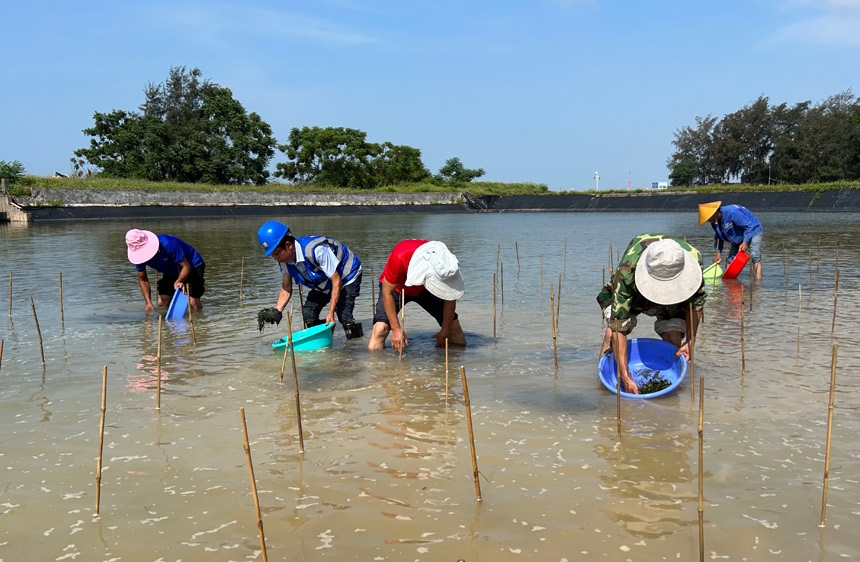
(289, 341)
(242, 279)
(1, 353)
(818, 258)
(62, 317)
(10, 294)
(372, 297)
(253, 486)
(558, 304)
(616, 342)
(301, 302)
(191, 320)
(471, 433)
(502, 287)
(541, 280)
(494, 308)
(403, 318)
(498, 258)
(38, 330)
(610, 259)
(604, 276)
(829, 433)
(446, 371)
(701, 479)
(799, 306)
(743, 358)
(296, 386)
(101, 441)
(835, 297)
(692, 371)
(552, 322)
(517, 250)
(158, 367)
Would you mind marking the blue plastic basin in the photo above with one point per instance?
(317, 337)
(178, 305)
(645, 356)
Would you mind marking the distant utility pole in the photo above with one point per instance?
(596, 181)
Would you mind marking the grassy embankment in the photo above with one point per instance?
(22, 187)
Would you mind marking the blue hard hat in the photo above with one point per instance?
(271, 234)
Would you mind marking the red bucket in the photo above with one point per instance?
(734, 268)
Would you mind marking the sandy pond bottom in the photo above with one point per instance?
(386, 473)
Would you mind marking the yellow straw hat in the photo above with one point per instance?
(707, 210)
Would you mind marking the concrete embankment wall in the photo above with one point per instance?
(77, 204)
(835, 200)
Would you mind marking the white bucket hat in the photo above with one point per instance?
(666, 273)
(434, 266)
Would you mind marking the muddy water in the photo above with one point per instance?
(386, 474)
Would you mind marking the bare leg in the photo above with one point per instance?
(378, 335)
(673, 337)
(164, 300)
(757, 271)
(195, 303)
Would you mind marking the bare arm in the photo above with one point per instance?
(285, 293)
(692, 328)
(336, 284)
(448, 311)
(184, 272)
(145, 288)
(619, 349)
(391, 313)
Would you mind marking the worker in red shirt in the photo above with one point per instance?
(428, 274)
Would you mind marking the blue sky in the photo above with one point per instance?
(546, 91)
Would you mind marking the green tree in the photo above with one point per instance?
(189, 130)
(11, 171)
(454, 171)
(342, 157)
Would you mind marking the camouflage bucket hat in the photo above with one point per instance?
(666, 273)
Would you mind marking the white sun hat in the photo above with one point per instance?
(666, 273)
(434, 266)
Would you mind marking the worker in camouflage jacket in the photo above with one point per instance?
(659, 276)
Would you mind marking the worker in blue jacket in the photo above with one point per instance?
(330, 269)
(737, 225)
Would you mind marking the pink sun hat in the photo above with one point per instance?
(142, 245)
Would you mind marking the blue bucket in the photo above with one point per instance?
(317, 337)
(645, 357)
(178, 305)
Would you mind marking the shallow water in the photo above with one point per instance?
(386, 473)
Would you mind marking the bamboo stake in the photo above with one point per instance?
(498, 258)
(38, 330)
(517, 249)
(471, 432)
(743, 358)
(558, 303)
(541, 280)
(301, 301)
(552, 323)
(289, 341)
(692, 371)
(296, 386)
(62, 317)
(701, 479)
(10, 294)
(564, 270)
(604, 276)
(616, 341)
(502, 286)
(242, 279)
(835, 297)
(799, 306)
(403, 319)
(253, 486)
(101, 441)
(784, 263)
(610, 259)
(494, 308)
(446, 369)
(1, 353)
(818, 258)
(829, 433)
(158, 367)
(372, 296)
(191, 320)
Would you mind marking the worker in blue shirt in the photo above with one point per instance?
(737, 225)
(181, 265)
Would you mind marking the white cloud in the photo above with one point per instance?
(832, 23)
(222, 23)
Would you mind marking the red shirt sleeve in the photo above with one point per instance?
(398, 264)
